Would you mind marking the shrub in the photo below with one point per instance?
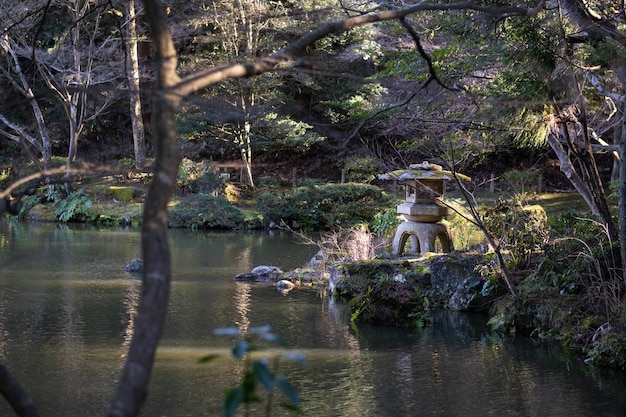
(520, 229)
(362, 169)
(385, 223)
(202, 211)
(198, 177)
(324, 207)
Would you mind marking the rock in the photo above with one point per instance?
(284, 286)
(450, 271)
(318, 261)
(246, 277)
(134, 266)
(469, 296)
(261, 273)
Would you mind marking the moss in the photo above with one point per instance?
(385, 292)
(125, 194)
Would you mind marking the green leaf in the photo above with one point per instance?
(294, 357)
(232, 399)
(240, 349)
(288, 389)
(227, 331)
(263, 374)
(260, 330)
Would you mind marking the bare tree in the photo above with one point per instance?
(14, 130)
(134, 89)
(82, 70)
(571, 136)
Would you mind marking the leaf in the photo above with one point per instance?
(295, 357)
(227, 331)
(261, 330)
(232, 399)
(240, 349)
(208, 358)
(263, 375)
(288, 389)
(273, 337)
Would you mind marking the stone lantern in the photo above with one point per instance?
(423, 208)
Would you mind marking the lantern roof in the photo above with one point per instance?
(422, 171)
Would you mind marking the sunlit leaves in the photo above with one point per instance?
(276, 132)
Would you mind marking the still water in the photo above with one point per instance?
(67, 310)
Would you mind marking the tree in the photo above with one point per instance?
(244, 114)
(17, 131)
(134, 91)
(597, 27)
(77, 61)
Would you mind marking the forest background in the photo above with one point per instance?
(480, 87)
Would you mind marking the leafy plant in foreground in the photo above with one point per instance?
(257, 372)
(74, 206)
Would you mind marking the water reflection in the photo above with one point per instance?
(131, 304)
(67, 313)
(242, 306)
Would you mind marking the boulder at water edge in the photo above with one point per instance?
(135, 266)
(262, 273)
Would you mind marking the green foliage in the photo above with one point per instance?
(337, 42)
(519, 229)
(405, 64)
(464, 233)
(353, 103)
(605, 52)
(198, 177)
(258, 372)
(202, 211)
(268, 183)
(323, 207)
(385, 223)
(73, 205)
(519, 86)
(389, 299)
(362, 169)
(281, 133)
(5, 178)
(526, 128)
(521, 183)
(608, 350)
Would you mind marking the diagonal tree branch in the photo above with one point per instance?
(203, 79)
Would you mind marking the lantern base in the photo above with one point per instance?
(423, 238)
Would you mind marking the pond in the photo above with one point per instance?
(67, 310)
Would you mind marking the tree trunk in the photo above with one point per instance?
(131, 390)
(18, 399)
(621, 216)
(134, 90)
